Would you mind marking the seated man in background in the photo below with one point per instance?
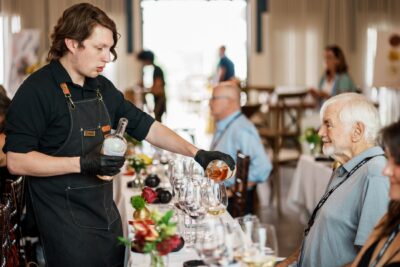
(235, 132)
(357, 194)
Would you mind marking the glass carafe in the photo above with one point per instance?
(115, 144)
(219, 171)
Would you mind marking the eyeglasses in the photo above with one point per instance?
(219, 97)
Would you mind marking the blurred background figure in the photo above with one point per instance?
(384, 239)
(225, 68)
(158, 86)
(235, 132)
(335, 79)
(4, 104)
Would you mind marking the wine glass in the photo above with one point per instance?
(194, 203)
(210, 242)
(237, 238)
(264, 245)
(271, 240)
(196, 169)
(216, 197)
(194, 206)
(178, 172)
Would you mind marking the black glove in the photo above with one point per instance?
(95, 163)
(204, 157)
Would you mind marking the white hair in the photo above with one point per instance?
(356, 108)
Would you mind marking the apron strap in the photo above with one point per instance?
(67, 94)
(106, 129)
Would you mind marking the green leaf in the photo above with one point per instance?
(170, 230)
(149, 246)
(138, 202)
(124, 241)
(167, 216)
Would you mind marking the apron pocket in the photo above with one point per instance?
(92, 206)
(91, 138)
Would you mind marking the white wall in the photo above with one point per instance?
(343, 22)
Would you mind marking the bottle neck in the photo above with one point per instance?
(123, 122)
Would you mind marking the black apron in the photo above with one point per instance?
(75, 214)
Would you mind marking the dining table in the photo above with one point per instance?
(309, 183)
(122, 196)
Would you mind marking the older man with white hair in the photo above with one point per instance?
(357, 194)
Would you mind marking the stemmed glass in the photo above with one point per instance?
(179, 170)
(216, 197)
(194, 204)
(261, 247)
(210, 242)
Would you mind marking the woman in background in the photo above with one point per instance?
(335, 80)
(383, 245)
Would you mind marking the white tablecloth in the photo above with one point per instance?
(122, 195)
(175, 259)
(308, 185)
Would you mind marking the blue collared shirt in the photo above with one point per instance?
(242, 135)
(349, 215)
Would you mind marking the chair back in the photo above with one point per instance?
(281, 132)
(15, 189)
(14, 192)
(5, 225)
(250, 110)
(240, 188)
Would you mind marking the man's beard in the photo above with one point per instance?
(328, 151)
(333, 151)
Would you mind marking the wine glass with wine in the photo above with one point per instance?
(219, 171)
(216, 197)
(264, 248)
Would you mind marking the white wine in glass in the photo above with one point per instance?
(216, 198)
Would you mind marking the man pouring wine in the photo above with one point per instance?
(55, 127)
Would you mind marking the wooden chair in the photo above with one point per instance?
(15, 188)
(281, 133)
(250, 110)
(14, 191)
(239, 193)
(5, 212)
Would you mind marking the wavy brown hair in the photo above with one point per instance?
(390, 138)
(337, 51)
(77, 23)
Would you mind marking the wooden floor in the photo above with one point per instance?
(288, 226)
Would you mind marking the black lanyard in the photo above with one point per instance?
(329, 193)
(216, 142)
(386, 245)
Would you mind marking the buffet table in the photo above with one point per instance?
(309, 183)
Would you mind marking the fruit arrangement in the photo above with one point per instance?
(152, 180)
(162, 195)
